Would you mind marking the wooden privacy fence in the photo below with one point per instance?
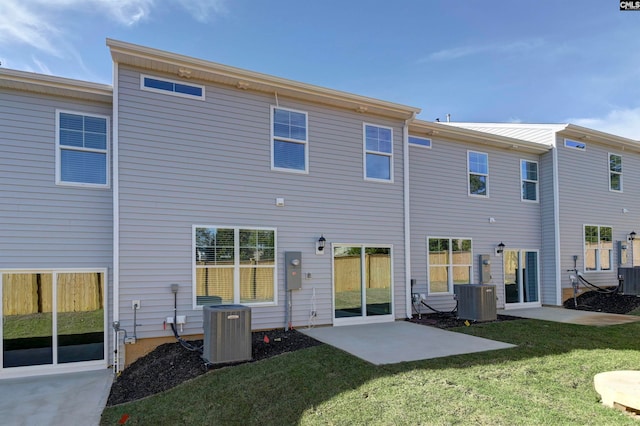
(33, 293)
(347, 271)
(256, 283)
(461, 274)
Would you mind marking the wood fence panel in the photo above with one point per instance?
(32, 293)
(79, 292)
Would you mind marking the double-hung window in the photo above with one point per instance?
(598, 248)
(289, 149)
(529, 178)
(615, 173)
(378, 153)
(450, 262)
(478, 170)
(82, 149)
(234, 265)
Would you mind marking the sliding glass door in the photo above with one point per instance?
(521, 282)
(52, 318)
(362, 283)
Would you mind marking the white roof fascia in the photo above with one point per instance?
(52, 85)
(189, 67)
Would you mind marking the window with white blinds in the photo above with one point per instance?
(82, 149)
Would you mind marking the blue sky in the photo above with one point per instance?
(492, 60)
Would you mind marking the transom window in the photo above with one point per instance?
(529, 178)
(378, 153)
(234, 265)
(580, 146)
(598, 248)
(290, 140)
(418, 141)
(478, 169)
(449, 263)
(82, 154)
(172, 87)
(615, 172)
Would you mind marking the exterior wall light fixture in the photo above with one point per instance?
(500, 248)
(320, 244)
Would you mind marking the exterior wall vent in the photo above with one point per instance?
(227, 333)
(476, 302)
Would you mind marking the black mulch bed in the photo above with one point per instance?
(612, 303)
(170, 364)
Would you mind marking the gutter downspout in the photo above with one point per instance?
(116, 219)
(407, 222)
(556, 222)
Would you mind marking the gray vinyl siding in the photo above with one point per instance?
(585, 199)
(44, 225)
(548, 264)
(189, 162)
(440, 207)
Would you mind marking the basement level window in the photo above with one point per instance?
(580, 146)
(177, 88)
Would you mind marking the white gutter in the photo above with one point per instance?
(116, 215)
(407, 219)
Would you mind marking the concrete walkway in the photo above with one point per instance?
(393, 342)
(570, 316)
(62, 399)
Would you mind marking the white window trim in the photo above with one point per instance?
(537, 182)
(56, 366)
(584, 251)
(365, 151)
(58, 155)
(298, 141)
(169, 92)
(477, 174)
(236, 265)
(617, 173)
(450, 283)
(581, 149)
(421, 138)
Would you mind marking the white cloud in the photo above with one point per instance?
(621, 122)
(42, 67)
(36, 23)
(461, 52)
(202, 10)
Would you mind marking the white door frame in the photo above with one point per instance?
(520, 280)
(363, 318)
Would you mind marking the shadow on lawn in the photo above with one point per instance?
(253, 393)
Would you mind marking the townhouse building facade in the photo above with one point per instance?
(188, 183)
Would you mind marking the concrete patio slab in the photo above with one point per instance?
(570, 316)
(393, 342)
(60, 399)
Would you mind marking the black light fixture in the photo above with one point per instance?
(632, 235)
(320, 244)
(500, 248)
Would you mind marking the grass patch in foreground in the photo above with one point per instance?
(547, 379)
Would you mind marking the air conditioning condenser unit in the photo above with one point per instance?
(227, 333)
(476, 302)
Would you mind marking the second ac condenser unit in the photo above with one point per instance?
(476, 302)
(630, 280)
(227, 333)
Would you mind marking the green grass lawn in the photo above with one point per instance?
(546, 380)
